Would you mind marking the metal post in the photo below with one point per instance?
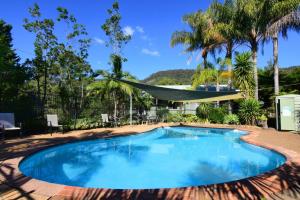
(130, 112)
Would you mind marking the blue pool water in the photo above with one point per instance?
(161, 158)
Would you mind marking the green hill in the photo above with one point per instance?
(170, 77)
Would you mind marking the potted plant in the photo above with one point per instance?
(263, 121)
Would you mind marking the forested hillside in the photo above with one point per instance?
(171, 77)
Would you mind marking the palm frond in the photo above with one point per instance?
(289, 21)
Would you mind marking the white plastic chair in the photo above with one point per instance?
(7, 123)
(52, 122)
(105, 119)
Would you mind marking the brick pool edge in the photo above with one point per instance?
(264, 185)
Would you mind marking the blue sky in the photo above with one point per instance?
(151, 23)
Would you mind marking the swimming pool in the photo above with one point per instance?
(162, 158)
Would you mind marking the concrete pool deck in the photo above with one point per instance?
(281, 183)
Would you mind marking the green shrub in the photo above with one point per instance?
(249, 111)
(216, 115)
(80, 124)
(262, 118)
(162, 114)
(190, 118)
(175, 117)
(208, 112)
(203, 110)
(231, 119)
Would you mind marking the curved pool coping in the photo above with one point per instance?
(254, 187)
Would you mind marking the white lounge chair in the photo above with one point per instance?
(7, 123)
(52, 122)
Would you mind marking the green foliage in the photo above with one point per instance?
(217, 114)
(167, 81)
(12, 74)
(205, 76)
(162, 114)
(190, 118)
(249, 111)
(211, 113)
(203, 110)
(197, 38)
(175, 117)
(231, 119)
(243, 73)
(262, 118)
(113, 29)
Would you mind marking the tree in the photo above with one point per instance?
(251, 18)
(111, 88)
(249, 110)
(12, 74)
(197, 38)
(283, 15)
(45, 43)
(243, 73)
(116, 40)
(72, 67)
(205, 76)
(112, 28)
(224, 20)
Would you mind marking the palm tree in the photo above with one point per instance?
(251, 22)
(243, 73)
(197, 38)
(283, 15)
(205, 76)
(110, 86)
(223, 16)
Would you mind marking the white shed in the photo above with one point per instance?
(288, 112)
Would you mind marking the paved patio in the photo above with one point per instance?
(281, 183)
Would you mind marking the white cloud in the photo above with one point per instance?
(140, 29)
(149, 52)
(128, 30)
(99, 41)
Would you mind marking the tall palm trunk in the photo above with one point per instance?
(254, 46)
(228, 58)
(115, 108)
(204, 56)
(275, 63)
(217, 89)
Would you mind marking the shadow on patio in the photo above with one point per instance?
(268, 185)
(286, 176)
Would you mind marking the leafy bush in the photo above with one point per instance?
(80, 124)
(203, 110)
(231, 119)
(162, 114)
(216, 115)
(262, 118)
(190, 118)
(175, 117)
(249, 110)
(209, 112)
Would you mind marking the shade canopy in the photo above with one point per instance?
(177, 95)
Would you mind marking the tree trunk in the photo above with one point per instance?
(228, 59)
(275, 63)
(204, 56)
(254, 58)
(115, 108)
(45, 89)
(217, 89)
